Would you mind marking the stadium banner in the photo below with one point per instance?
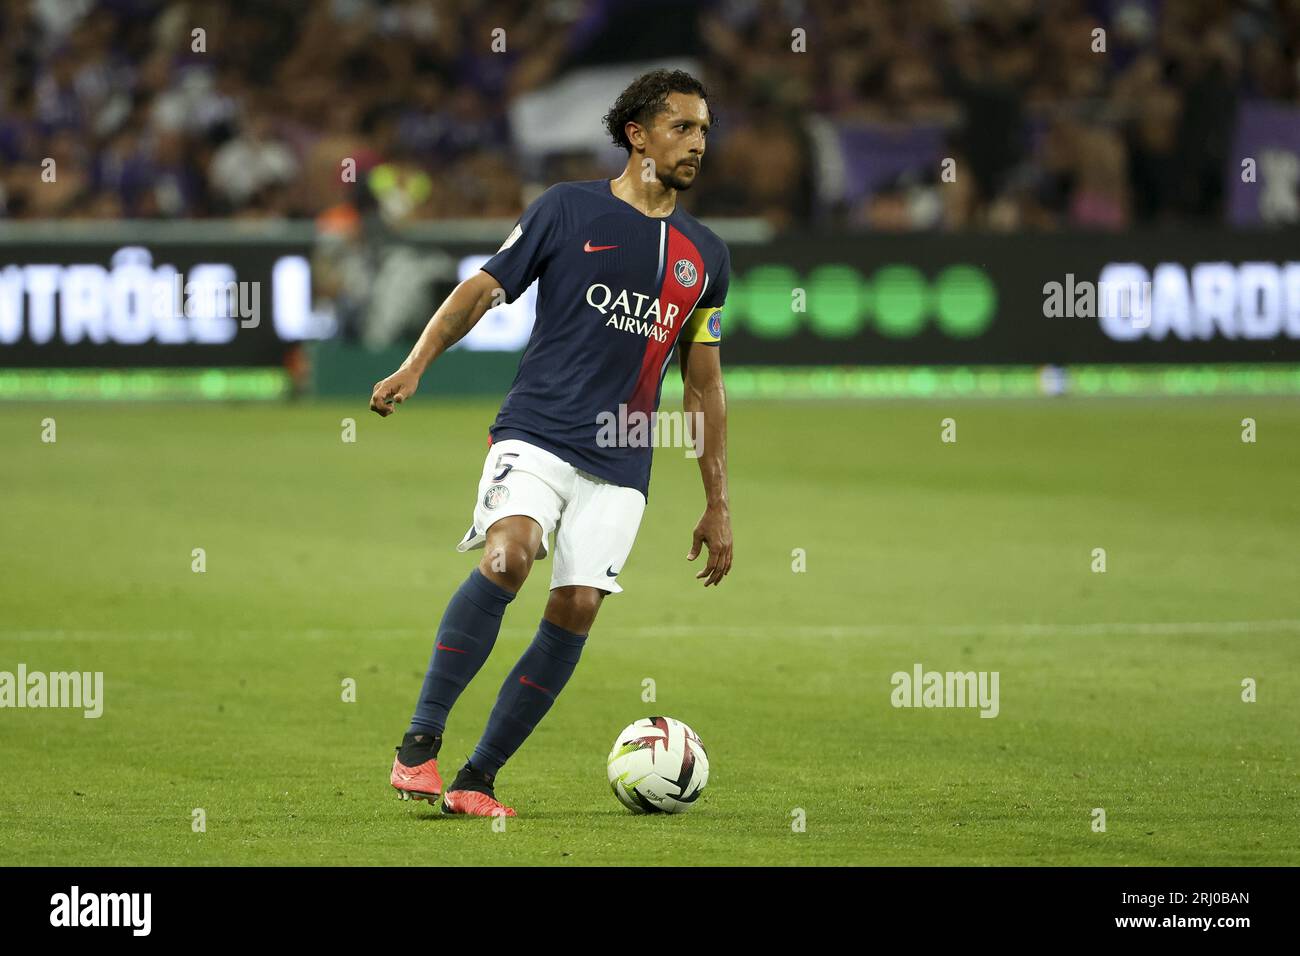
(882, 300)
(1262, 190)
(1050, 299)
(115, 304)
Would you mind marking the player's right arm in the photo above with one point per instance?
(455, 317)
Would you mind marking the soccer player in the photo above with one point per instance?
(624, 276)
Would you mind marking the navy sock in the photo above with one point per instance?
(527, 694)
(468, 629)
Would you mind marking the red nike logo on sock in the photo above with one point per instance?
(590, 248)
(523, 679)
(444, 647)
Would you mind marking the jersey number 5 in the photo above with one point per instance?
(504, 468)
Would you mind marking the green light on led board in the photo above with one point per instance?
(965, 300)
(836, 301)
(1014, 381)
(259, 384)
(769, 302)
(902, 301)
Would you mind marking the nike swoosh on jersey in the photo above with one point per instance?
(590, 248)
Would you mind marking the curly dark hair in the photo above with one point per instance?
(645, 98)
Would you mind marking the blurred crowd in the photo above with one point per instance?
(206, 108)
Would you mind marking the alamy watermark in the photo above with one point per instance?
(638, 429)
(74, 689)
(922, 688)
(75, 908)
(1084, 299)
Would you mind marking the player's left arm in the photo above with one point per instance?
(705, 401)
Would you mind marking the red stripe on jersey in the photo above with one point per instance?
(671, 292)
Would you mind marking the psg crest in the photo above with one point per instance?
(715, 324)
(686, 274)
(495, 496)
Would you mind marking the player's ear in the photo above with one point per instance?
(635, 134)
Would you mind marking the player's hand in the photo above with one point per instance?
(392, 391)
(713, 531)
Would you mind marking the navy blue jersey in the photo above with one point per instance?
(616, 289)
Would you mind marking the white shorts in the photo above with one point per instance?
(594, 521)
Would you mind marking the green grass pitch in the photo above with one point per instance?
(327, 560)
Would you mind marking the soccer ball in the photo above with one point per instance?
(658, 765)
